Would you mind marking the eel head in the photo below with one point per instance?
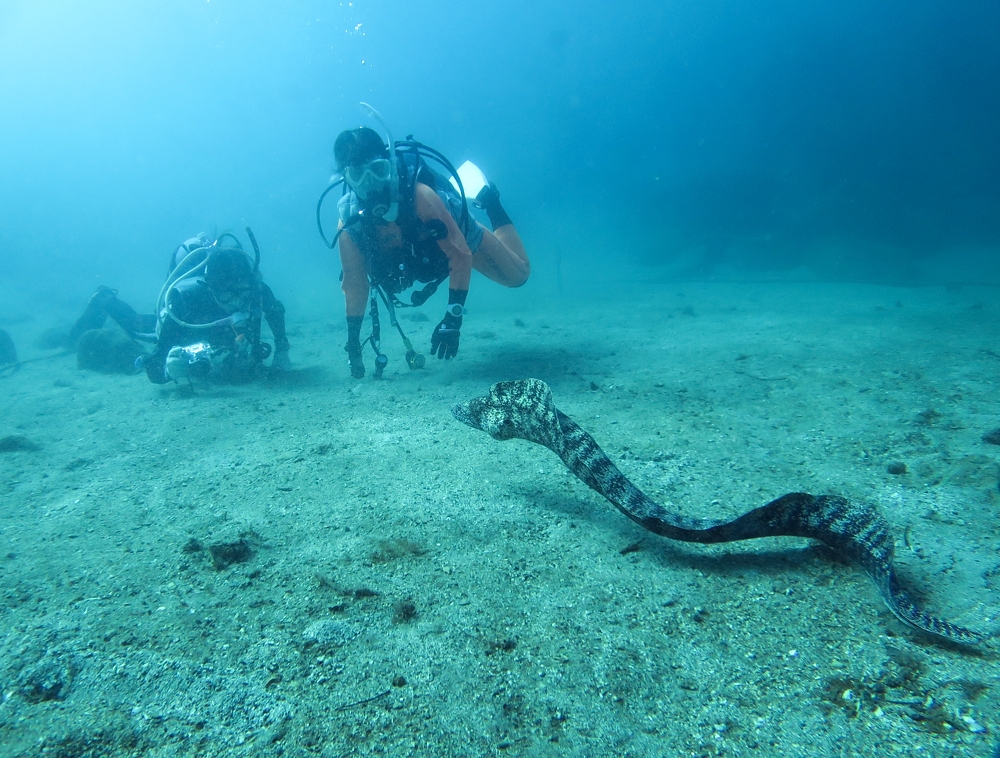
(521, 409)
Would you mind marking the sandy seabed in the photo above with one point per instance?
(310, 565)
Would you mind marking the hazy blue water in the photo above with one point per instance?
(700, 134)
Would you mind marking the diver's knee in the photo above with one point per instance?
(522, 278)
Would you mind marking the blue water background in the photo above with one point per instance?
(834, 140)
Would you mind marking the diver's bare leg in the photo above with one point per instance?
(502, 258)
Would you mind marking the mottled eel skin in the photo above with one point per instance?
(525, 410)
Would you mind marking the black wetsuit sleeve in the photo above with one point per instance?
(156, 362)
(171, 334)
(274, 313)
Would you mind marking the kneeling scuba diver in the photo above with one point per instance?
(405, 223)
(209, 317)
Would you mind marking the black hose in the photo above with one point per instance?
(7, 369)
(425, 151)
(410, 145)
(256, 250)
(381, 359)
(233, 237)
(319, 218)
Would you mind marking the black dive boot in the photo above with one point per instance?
(489, 200)
(124, 315)
(94, 315)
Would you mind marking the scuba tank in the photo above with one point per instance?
(190, 267)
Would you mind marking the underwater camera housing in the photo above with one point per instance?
(199, 358)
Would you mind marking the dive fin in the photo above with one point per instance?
(473, 180)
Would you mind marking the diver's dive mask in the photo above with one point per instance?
(233, 278)
(375, 171)
(240, 298)
(372, 182)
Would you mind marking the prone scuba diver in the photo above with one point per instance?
(208, 319)
(407, 223)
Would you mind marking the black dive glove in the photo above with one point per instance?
(353, 346)
(444, 341)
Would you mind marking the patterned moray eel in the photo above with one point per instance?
(525, 409)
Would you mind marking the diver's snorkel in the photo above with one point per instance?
(392, 211)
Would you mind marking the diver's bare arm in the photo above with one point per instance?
(355, 284)
(429, 206)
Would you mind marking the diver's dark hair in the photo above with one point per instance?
(355, 146)
(226, 268)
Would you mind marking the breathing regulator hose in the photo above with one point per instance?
(184, 271)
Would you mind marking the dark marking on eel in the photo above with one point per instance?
(524, 409)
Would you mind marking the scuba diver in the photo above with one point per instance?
(406, 223)
(208, 319)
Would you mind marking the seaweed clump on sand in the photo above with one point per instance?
(992, 438)
(109, 351)
(225, 554)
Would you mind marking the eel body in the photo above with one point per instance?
(524, 409)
